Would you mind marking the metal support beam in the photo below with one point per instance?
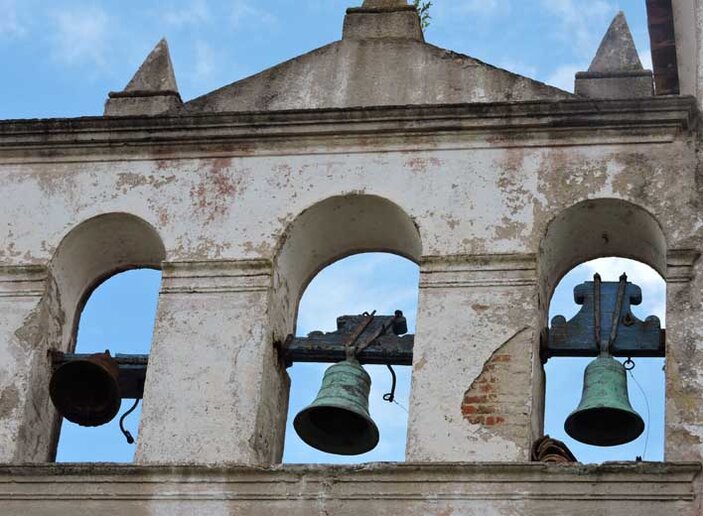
(378, 339)
(585, 334)
(389, 349)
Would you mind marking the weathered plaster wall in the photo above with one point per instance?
(476, 339)
(31, 322)
(478, 197)
(215, 391)
(465, 200)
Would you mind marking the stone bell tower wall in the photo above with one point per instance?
(493, 183)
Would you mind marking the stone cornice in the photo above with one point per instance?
(216, 277)
(680, 264)
(567, 122)
(22, 281)
(531, 483)
(475, 271)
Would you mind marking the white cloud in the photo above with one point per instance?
(244, 13)
(446, 13)
(205, 62)
(564, 76)
(582, 26)
(482, 7)
(380, 282)
(652, 284)
(518, 67)
(10, 24)
(197, 12)
(80, 35)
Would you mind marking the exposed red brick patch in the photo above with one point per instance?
(491, 396)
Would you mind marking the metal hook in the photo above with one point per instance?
(127, 434)
(390, 397)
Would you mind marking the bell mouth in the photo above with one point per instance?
(336, 430)
(85, 393)
(604, 426)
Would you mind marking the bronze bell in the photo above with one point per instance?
(86, 391)
(338, 421)
(604, 417)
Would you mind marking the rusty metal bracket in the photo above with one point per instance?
(132, 370)
(605, 321)
(382, 339)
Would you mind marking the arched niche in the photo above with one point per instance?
(94, 251)
(588, 230)
(331, 230)
(595, 229)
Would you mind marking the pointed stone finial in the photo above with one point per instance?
(152, 90)
(616, 72)
(156, 72)
(383, 19)
(617, 51)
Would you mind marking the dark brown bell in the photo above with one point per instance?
(86, 391)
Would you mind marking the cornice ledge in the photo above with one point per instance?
(680, 265)
(216, 276)
(472, 271)
(22, 280)
(669, 471)
(517, 120)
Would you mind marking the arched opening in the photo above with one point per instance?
(646, 382)
(329, 231)
(119, 315)
(364, 282)
(603, 236)
(88, 287)
(324, 235)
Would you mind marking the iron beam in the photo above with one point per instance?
(387, 349)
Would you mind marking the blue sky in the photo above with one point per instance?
(63, 57)
(60, 59)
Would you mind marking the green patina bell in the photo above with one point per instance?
(338, 421)
(604, 417)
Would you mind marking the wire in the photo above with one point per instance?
(127, 434)
(646, 402)
(390, 397)
(401, 406)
